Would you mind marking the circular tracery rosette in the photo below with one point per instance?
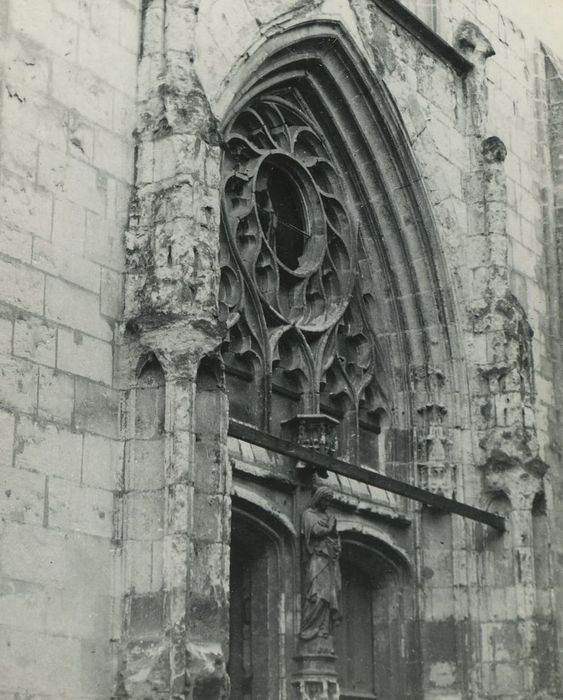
(285, 218)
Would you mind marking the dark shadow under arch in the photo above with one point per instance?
(261, 638)
(378, 642)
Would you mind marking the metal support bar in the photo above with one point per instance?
(387, 483)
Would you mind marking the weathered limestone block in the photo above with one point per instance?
(56, 395)
(171, 242)
(84, 356)
(207, 678)
(147, 672)
(474, 45)
(48, 448)
(22, 496)
(35, 340)
(172, 253)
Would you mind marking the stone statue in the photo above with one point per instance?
(321, 600)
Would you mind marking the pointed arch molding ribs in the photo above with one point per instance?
(414, 298)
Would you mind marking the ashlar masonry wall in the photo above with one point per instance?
(67, 96)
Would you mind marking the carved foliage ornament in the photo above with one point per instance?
(289, 251)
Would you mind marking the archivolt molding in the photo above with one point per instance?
(362, 534)
(248, 496)
(255, 28)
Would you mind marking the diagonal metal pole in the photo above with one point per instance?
(353, 471)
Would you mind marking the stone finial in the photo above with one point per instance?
(470, 41)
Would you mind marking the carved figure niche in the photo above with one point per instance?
(299, 340)
(144, 506)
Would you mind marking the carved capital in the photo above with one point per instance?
(521, 485)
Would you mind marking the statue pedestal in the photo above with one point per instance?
(316, 677)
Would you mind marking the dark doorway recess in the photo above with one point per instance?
(376, 643)
(255, 603)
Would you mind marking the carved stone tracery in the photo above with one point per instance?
(285, 218)
(290, 293)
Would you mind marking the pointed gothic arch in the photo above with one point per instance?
(307, 108)
(262, 551)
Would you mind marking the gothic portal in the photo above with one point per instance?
(311, 215)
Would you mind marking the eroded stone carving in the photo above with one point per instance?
(436, 471)
(208, 678)
(288, 248)
(507, 408)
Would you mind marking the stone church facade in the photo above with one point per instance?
(255, 250)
